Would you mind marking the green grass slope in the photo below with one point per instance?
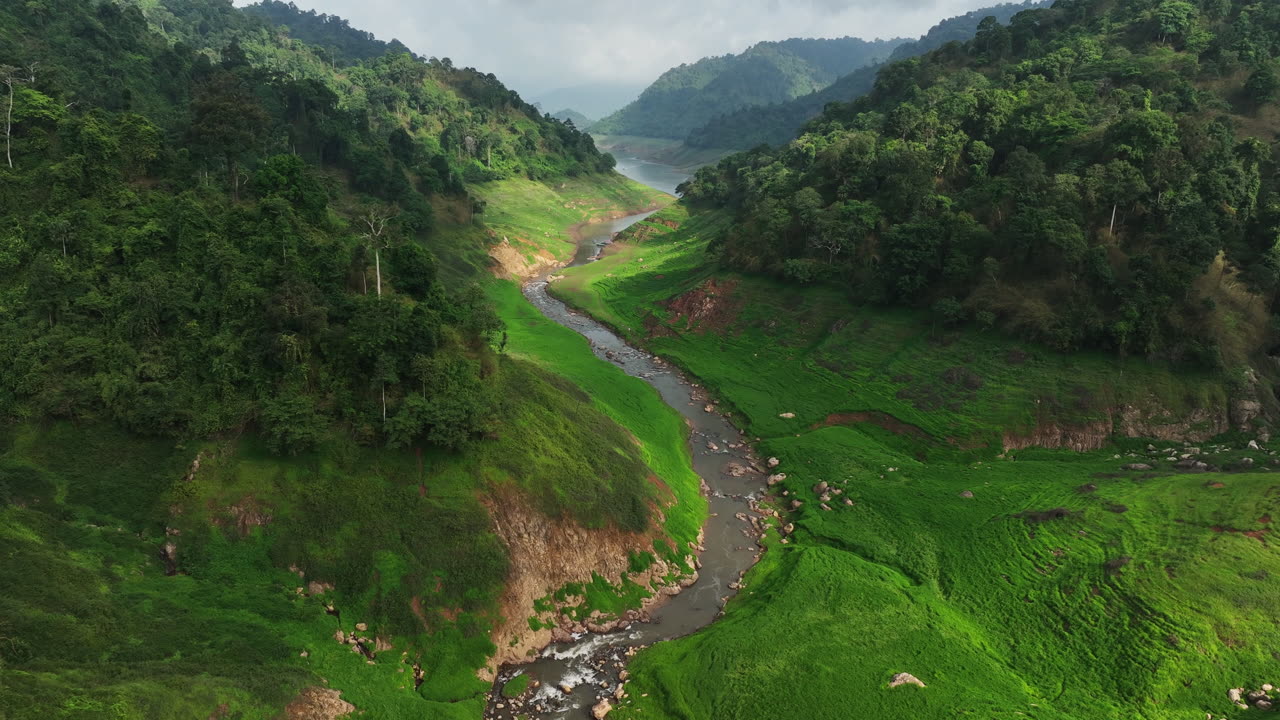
(401, 539)
(1063, 588)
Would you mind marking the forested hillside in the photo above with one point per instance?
(154, 188)
(330, 35)
(252, 398)
(1099, 174)
(686, 97)
(778, 124)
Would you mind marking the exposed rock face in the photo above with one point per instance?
(905, 679)
(316, 703)
(244, 516)
(513, 261)
(545, 555)
(1151, 421)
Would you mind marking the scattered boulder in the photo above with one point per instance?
(788, 416)
(967, 494)
(1253, 445)
(362, 627)
(775, 479)
(774, 462)
(1137, 466)
(317, 703)
(601, 709)
(905, 679)
(820, 488)
(318, 588)
(796, 504)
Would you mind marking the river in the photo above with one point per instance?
(729, 542)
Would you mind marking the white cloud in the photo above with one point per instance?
(534, 45)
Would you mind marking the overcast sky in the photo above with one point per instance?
(538, 45)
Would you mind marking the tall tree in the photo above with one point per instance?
(9, 75)
(377, 237)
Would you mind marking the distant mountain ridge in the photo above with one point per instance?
(595, 100)
(776, 124)
(580, 121)
(689, 96)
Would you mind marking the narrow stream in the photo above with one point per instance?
(589, 666)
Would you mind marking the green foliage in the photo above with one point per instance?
(1089, 150)
(516, 686)
(330, 34)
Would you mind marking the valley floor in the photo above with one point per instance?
(917, 538)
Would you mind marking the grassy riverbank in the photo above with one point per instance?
(1063, 588)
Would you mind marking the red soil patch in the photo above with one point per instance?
(710, 307)
(1264, 520)
(1259, 535)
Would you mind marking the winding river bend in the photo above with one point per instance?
(590, 664)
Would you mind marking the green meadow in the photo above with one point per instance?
(1064, 587)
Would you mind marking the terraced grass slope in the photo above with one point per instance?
(1011, 582)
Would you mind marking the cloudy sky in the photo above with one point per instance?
(538, 45)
